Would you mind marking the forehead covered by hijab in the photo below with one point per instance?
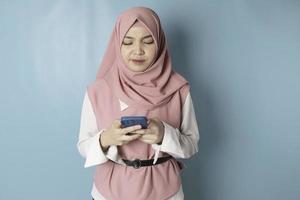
(142, 15)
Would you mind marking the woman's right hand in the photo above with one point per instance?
(116, 135)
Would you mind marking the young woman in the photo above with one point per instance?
(136, 79)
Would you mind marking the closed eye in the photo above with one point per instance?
(149, 42)
(132, 43)
(127, 43)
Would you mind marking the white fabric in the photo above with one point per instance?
(181, 143)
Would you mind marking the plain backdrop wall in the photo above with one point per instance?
(241, 57)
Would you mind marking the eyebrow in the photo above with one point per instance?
(142, 37)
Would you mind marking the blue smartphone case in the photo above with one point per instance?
(127, 121)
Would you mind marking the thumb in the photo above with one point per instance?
(116, 123)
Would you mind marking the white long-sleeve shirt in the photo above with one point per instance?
(179, 143)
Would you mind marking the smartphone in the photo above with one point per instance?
(127, 121)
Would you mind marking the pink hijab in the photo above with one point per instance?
(147, 89)
(156, 92)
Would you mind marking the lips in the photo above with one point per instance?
(138, 61)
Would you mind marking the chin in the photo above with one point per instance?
(137, 68)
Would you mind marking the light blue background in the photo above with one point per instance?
(242, 59)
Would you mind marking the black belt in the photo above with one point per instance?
(137, 163)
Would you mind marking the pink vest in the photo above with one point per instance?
(119, 182)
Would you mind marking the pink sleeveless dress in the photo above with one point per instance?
(120, 182)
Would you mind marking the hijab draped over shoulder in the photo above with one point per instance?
(151, 88)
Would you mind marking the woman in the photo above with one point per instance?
(136, 79)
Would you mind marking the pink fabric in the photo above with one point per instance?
(156, 92)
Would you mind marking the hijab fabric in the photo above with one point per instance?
(147, 89)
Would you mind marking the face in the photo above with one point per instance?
(138, 49)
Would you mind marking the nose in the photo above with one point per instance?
(139, 49)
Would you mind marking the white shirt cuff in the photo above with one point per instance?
(170, 143)
(95, 154)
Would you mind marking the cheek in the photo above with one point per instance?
(152, 52)
(124, 53)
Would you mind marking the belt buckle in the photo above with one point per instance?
(137, 163)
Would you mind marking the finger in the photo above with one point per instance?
(116, 123)
(128, 138)
(130, 129)
(154, 127)
(148, 137)
(155, 119)
(147, 131)
(151, 123)
(141, 131)
(146, 141)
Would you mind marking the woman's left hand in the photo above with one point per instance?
(154, 133)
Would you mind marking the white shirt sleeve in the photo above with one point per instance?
(88, 144)
(181, 143)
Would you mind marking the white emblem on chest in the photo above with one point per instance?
(123, 105)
